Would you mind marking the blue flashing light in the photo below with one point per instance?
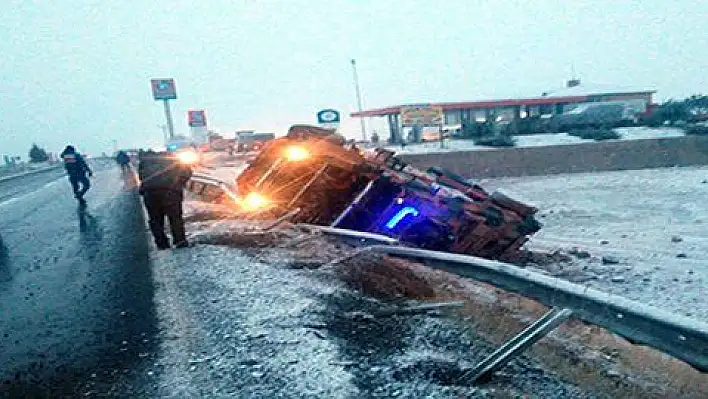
(409, 210)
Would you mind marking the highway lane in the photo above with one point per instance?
(75, 286)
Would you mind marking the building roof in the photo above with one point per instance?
(595, 89)
(576, 94)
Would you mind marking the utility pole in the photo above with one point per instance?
(358, 98)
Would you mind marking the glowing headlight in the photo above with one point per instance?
(254, 201)
(188, 157)
(296, 153)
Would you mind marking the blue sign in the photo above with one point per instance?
(328, 116)
(163, 89)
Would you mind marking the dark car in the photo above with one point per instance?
(593, 115)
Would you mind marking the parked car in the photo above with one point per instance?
(595, 115)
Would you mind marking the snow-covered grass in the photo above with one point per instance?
(267, 323)
(25, 168)
(651, 221)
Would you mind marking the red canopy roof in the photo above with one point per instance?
(448, 106)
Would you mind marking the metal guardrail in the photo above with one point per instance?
(30, 173)
(353, 234)
(678, 336)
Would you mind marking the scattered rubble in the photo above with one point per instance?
(609, 260)
(396, 282)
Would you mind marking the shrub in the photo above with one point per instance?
(696, 130)
(37, 154)
(595, 134)
(495, 141)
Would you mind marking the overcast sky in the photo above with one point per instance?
(78, 71)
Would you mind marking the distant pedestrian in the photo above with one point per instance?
(124, 161)
(77, 169)
(163, 179)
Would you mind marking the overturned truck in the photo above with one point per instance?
(319, 178)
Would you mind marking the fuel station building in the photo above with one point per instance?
(456, 114)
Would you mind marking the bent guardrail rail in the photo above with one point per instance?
(681, 337)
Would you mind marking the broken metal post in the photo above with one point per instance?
(522, 341)
(679, 336)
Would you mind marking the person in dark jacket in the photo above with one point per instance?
(77, 169)
(163, 179)
(124, 161)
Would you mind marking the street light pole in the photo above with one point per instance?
(164, 133)
(358, 98)
(168, 115)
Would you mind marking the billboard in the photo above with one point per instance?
(163, 89)
(196, 118)
(421, 115)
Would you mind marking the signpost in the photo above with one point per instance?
(422, 115)
(165, 90)
(328, 118)
(196, 119)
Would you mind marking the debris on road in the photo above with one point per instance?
(356, 324)
(610, 260)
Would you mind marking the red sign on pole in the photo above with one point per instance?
(163, 89)
(196, 118)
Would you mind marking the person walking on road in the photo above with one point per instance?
(124, 161)
(163, 179)
(77, 169)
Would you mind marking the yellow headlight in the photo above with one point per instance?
(296, 153)
(188, 157)
(254, 201)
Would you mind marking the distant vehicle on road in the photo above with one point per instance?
(180, 143)
(251, 141)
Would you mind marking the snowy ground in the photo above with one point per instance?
(239, 321)
(249, 314)
(649, 225)
(536, 140)
(22, 169)
(270, 326)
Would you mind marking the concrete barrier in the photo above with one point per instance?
(572, 158)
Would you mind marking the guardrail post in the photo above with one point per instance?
(515, 346)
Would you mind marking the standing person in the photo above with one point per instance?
(124, 161)
(163, 179)
(77, 169)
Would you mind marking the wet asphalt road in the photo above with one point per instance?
(75, 287)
